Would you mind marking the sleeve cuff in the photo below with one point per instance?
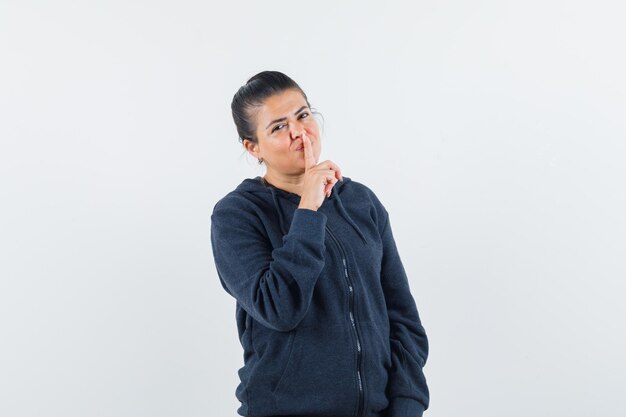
(310, 222)
(404, 407)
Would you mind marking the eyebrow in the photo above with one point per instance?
(284, 118)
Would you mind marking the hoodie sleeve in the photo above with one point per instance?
(407, 389)
(275, 286)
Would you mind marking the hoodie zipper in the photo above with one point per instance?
(359, 410)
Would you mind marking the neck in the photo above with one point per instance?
(290, 183)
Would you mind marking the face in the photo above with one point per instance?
(279, 139)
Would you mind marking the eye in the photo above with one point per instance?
(302, 116)
(275, 127)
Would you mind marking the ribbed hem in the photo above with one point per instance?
(404, 407)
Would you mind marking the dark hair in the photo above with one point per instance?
(258, 88)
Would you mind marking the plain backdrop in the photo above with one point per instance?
(493, 131)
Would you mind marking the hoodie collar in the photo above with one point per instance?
(258, 185)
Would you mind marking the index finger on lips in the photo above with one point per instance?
(309, 158)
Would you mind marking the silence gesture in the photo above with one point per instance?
(319, 179)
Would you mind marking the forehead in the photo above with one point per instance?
(281, 104)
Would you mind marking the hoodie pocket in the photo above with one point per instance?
(399, 350)
(287, 361)
(320, 373)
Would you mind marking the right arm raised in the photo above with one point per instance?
(274, 286)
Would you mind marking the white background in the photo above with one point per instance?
(493, 131)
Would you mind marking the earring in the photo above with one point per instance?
(260, 161)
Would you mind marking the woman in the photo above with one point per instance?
(324, 311)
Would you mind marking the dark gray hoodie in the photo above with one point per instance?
(324, 311)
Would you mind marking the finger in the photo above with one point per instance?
(337, 170)
(328, 164)
(330, 183)
(309, 158)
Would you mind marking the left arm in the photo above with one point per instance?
(407, 389)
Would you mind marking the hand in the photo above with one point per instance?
(319, 179)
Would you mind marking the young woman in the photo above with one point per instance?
(324, 311)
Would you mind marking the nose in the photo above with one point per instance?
(296, 132)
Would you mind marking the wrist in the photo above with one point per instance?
(305, 205)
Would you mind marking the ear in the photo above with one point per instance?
(251, 147)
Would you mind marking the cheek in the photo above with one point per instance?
(284, 147)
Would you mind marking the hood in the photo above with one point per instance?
(256, 185)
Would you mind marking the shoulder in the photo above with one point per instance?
(236, 210)
(365, 196)
(250, 194)
(357, 188)
(232, 200)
